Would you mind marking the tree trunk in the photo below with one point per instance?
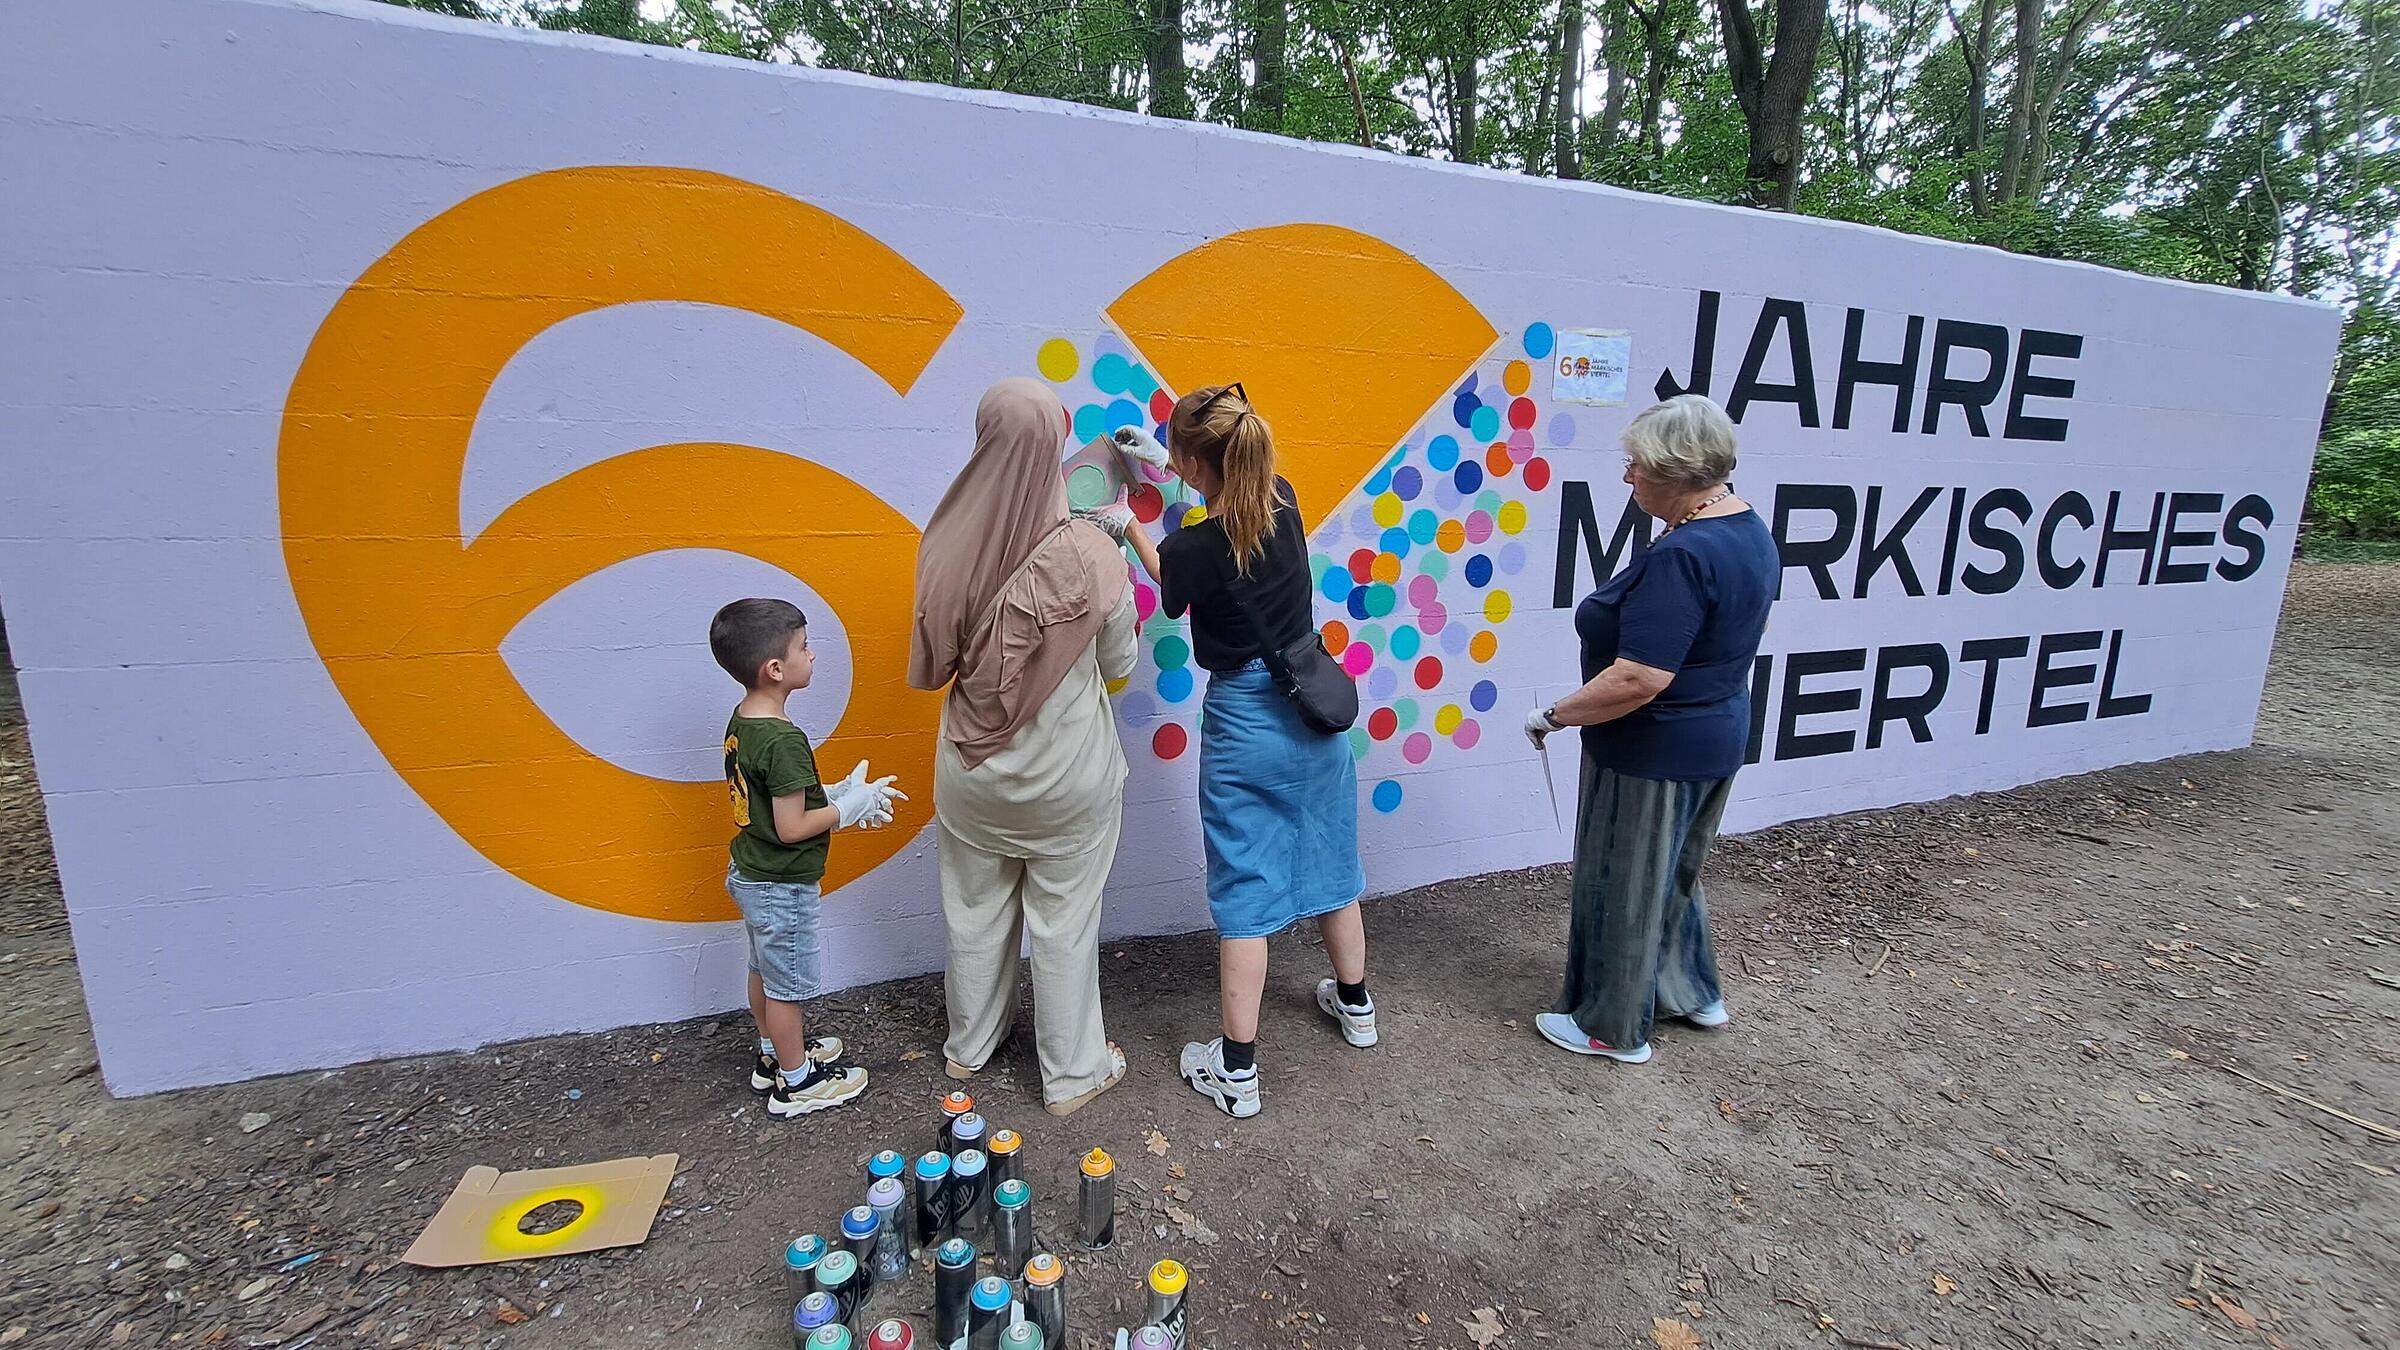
(1270, 41)
(1979, 90)
(2021, 98)
(1570, 90)
(1657, 51)
(1465, 76)
(1773, 91)
(1612, 104)
(1162, 56)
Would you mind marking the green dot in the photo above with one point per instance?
(1380, 599)
(1088, 487)
(1359, 742)
(1405, 709)
(1434, 563)
(1487, 501)
(1171, 652)
(1370, 634)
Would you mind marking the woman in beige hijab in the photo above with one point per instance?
(1027, 615)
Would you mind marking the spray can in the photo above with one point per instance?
(892, 1334)
(858, 1231)
(1012, 1224)
(933, 1201)
(1151, 1338)
(832, 1336)
(1021, 1336)
(1096, 1202)
(953, 1106)
(953, 1278)
(987, 1312)
(1046, 1297)
(888, 1259)
(800, 1258)
(969, 1198)
(838, 1274)
(889, 1163)
(968, 1132)
(1002, 1153)
(1169, 1284)
(817, 1310)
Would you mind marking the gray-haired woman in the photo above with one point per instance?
(1665, 710)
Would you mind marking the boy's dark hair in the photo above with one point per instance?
(749, 633)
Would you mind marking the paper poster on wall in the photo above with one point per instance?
(1592, 366)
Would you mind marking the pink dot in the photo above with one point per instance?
(1520, 446)
(1356, 658)
(1466, 735)
(1431, 616)
(1479, 526)
(1416, 748)
(1422, 590)
(1145, 603)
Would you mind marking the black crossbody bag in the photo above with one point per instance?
(1320, 690)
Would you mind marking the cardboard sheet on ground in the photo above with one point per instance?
(479, 1222)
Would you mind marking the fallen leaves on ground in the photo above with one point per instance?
(2234, 1312)
(1944, 1285)
(912, 1056)
(1668, 1334)
(1157, 1144)
(1485, 1327)
(509, 1312)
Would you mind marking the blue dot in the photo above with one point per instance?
(1387, 796)
(1091, 422)
(1407, 483)
(1483, 696)
(1356, 602)
(1442, 452)
(1467, 385)
(1424, 526)
(1394, 541)
(1479, 570)
(1470, 475)
(1175, 685)
(1485, 424)
(1380, 482)
(1404, 642)
(1538, 340)
(1336, 584)
(1124, 413)
(1463, 409)
(1140, 383)
(1112, 374)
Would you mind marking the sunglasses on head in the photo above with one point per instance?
(1234, 389)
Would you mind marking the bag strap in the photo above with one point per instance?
(991, 613)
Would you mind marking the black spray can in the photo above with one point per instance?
(932, 1174)
(1021, 1336)
(969, 1200)
(1003, 1153)
(987, 1312)
(858, 1231)
(1169, 1285)
(1046, 1297)
(838, 1274)
(953, 1279)
(1096, 1202)
(957, 1104)
(887, 1260)
(967, 1132)
(1012, 1225)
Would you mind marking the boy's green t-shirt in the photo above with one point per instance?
(766, 758)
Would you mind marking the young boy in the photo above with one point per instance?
(784, 816)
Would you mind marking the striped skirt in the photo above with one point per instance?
(1278, 809)
(1637, 946)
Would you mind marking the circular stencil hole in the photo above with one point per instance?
(549, 1217)
(1088, 487)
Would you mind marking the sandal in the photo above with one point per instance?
(1076, 1103)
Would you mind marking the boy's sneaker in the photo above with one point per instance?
(1560, 1030)
(1714, 1015)
(766, 1073)
(1358, 1024)
(822, 1089)
(1236, 1094)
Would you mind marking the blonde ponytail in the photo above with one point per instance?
(1218, 427)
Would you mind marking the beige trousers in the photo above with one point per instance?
(989, 902)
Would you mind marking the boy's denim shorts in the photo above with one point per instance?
(781, 919)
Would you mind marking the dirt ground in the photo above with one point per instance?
(2026, 1069)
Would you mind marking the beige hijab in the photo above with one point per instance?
(1010, 589)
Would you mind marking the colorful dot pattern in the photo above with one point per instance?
(1414, 577)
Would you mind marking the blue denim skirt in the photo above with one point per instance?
(1278, 809)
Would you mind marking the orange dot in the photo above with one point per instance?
(1387, 568)
(1516, 378)
(1337, 636)
(1496, 461)
(1451, 537)
(1483, 646)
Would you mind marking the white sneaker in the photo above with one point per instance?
(825, 1089)
(1358, 1024)
(1236, 1094)
(1560, 1030)
(1714, 1015)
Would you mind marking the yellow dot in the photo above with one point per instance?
(1495, 607)
(1057, 360)
(1386, 568)
(1195, 515)
(1483, 646)
(1511, 517)
(1116, 687)
(1516, 378)
(1387, 510)
(1451, 537)
(1447, 720)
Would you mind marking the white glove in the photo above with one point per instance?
(1539, 724)
(856, 800)
(1140, 447)
(1112, 520)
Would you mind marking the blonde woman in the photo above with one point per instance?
(1278, 800)
(1665, 712)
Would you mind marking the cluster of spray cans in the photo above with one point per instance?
(962, 1203)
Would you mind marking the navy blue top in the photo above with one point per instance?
(1694, 603)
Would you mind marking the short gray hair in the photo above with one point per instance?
(1688, 439)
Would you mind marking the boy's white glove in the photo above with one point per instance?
(856, 800)
(1140, 447)
(1112, 520)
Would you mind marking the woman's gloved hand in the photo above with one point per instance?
(1140, 447)
(1112, 520)
(1539, 724)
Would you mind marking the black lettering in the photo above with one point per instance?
(1958, 509)
(1817, 555)
(1704, 353)
(2039, 711)
(1901, 375)
(1578, 524)
(1792, 317)
(1762, 673)
(1968, 396)
(2031, 343)
(1913, 709)
(1873, 553)
(2253, 544)
(2131, 705)
(2004, 578)
(2114, 540)
(1991, 652)
(2055, 574)
(1798, 667)
(2171, 572)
